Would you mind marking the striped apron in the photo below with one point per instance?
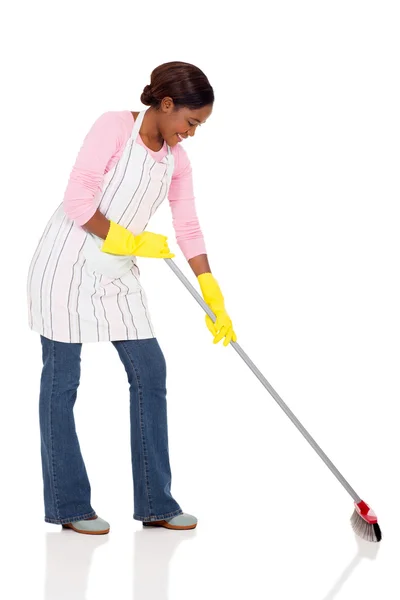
(76, 293)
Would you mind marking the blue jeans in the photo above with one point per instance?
(65, 480)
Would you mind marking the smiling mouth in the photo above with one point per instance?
(181, 137)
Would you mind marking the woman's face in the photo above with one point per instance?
(177, 124)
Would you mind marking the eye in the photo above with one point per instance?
(192, 124)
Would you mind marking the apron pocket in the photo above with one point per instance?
(109, 265)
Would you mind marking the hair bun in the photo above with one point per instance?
(147, 97)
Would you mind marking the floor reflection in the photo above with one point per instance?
(69, 559)
(366, 550)
(153, 550)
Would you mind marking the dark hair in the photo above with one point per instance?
(184, 83)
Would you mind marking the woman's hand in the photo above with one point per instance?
(120, 241)
(222, 327)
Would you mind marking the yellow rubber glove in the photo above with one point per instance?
(222, 327)
(121, 241)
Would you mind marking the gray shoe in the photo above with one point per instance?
(183, 521)
(95, 526)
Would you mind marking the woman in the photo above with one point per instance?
(83, 286)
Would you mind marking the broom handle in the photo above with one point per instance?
(266, 384)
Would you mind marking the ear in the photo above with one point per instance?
(167, 105)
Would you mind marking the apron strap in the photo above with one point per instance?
(137, 125)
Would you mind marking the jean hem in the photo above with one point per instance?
(158, 517)
(70, 519)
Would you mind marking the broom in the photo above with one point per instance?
(364, 521)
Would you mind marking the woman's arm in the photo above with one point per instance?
(101, 149)
(191, 242)
(98, 225)
(184, 216)
(199, 264)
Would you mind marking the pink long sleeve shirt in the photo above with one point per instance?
(101, 150)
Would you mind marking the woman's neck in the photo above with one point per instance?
(149, 131)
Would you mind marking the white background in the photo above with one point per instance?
(297, 184)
